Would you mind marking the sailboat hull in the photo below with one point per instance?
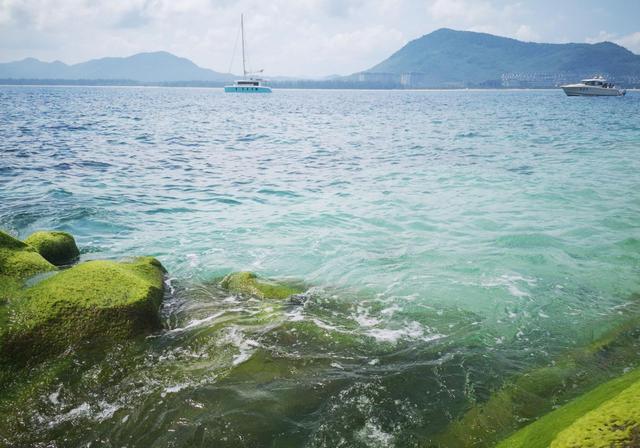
(247, 89)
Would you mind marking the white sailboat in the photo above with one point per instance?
(247, 85)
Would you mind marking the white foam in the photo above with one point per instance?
(198, 322)
(411, 330)
(82, 410)
(512, 283)
(363, 318)
(296, 315)
(193, 260)
(373, 436)
(324, 325)
(174, 389)
(169, 283)
(391, 310)
(245, 346)
(54, 397)
(105, 411)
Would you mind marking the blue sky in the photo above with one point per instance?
(302, 37)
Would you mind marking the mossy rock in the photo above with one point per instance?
(19, 261)
(248, 283)
(97, 299)
(536, 392)
(616, 422)
(607, 416)
(58, 248)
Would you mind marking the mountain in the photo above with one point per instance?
(447, 56)
(143, 67)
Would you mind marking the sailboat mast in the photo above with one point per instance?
(244, 68)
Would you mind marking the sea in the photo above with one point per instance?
(448, 241)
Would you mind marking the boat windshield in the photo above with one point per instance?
(596, 82)
(248, 83)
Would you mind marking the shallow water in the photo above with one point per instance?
(450, 240)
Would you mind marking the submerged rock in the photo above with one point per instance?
(96, 299)
(19, 261)
(604, 417)
(536, 392)
(248, 283)
(58, 248)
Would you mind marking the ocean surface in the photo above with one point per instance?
(450, 241)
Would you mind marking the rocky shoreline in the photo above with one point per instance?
(50, 302)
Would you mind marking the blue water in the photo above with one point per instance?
(454, 237)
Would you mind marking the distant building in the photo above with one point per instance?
(378, 78)
(414, 80)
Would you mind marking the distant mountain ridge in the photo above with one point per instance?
(444, 58)
(463, 58)
(159, 66)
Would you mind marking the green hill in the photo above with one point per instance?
(462, 57)
(157, 66)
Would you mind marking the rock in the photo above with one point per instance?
(18, 260)
(616, 422)
(58, 248)
(96, 299)
(604, 417)
(300, 299)
(533, 394)
(248, 283)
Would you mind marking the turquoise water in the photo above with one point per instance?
(451, 239)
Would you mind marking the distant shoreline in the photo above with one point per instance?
(435, 89)
(33, 83)
(280, 85)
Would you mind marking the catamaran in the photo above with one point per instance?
(247, 85)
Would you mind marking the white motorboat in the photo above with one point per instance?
(597, 86)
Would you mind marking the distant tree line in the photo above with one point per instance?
(351, 82)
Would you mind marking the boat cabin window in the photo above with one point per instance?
(248, 83)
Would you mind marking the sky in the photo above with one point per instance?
(293, 37)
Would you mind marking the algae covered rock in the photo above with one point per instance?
(535, 392)
(614, 423)
(248, 283)
(18, 260)
(607, 416)
(56, 247)
(96, 299)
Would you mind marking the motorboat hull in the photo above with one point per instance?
(581, 90)
(247, 89)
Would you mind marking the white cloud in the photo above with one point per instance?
(602, 36)
(484, 16)
(293, 37)
(525, 33)
(631, 42)
(305, 37)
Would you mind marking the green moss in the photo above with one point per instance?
(96, 299)
(536, 392)
(604, 417)
(250, 284)
(56, 247)
(19, 261)
(616, 422)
